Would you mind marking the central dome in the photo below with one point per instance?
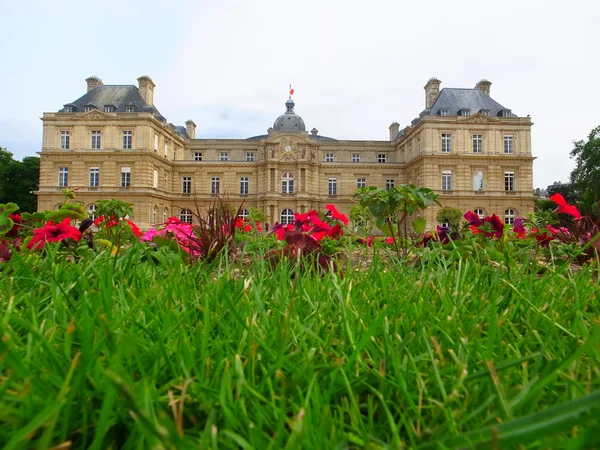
(290, 121)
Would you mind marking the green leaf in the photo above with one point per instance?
(6, 223)
(419, 225)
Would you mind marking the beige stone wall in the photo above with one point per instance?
(416, 158)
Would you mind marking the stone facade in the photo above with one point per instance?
(121, 147)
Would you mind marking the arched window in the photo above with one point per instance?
(509, 216)
(165, 214)
(287, 183)
(287, 216)
(480, 212)
(185, 215)
(91, 210)
(244, 214)
(154, 214)
(57, 207)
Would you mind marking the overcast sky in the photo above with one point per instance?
(356, 66)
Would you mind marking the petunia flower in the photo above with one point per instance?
(336, 214)
(53, 233)
(564, 207)
(519, 229)
(16, 218)
(134, 228)
(473, 219)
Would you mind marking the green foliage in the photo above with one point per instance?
(362, 219)
(114, 208)
(451, 216)
(543, 204)
(73, 211)
(6, 223)
(585, 178)
(256, 215)
(18, 180)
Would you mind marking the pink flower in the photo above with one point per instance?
(564, 207)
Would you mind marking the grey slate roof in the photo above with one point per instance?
(118, 96)
(454, 100)
(181, 131)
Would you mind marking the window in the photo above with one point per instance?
(389, 183)
(286, 216)
(355, 157)
(96, 139)
(224, 156)
(480, 213)
(127, 138)
(155, 143)
(287, 183)
(94, 176)
(88, 108)
(154, 214)
(444, 112)
(63, 176)
(165, 214)
(129, 109)
(186, 185)
(244, 186)
(214, 185)
(505, 113)
(68, 109)
(65, 137)
(332, 186)
(485, 112)
(125, 177)
(446, 180)
(509, 216)
(109, 109)
(464, 112)
(446, 142)
(197, 156)
(478, 180)
(250, 157)
(477, 143)
(381, 158)
(361, 182)
(166, 149)
(185, 215)
(155, 179)
(509, 181)
(244, 214)
(329, 157)
(91, 211)
(508, 144)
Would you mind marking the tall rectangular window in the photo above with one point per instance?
(186, 185)
(155, 143)
(63, 176)
(65, 138)
(477, 180)
(224, 156)
(129, 109)
(446, 142)
(509, 181)
(508, 144)
(95, 140)
(127, 139)
(155, 179)
(332, 186)
(287, 183)
(197, 156)
(389, 183)
(166, 149)
(94, 176)
(244, 186)
(477, 143)
(250, 157)
(381, 158)
(446, 180)
(214, 185)
(125, 177)
(361, 182)
(329, 157)
(355, 157)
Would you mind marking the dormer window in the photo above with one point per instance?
(88, 108)
(464, 112)
(444, 112)
(130, 109)
(505, 113)
(485, 112)
(109, 109)
(68, 109)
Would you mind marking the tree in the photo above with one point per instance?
(18, 180)
(451, 216)
(585, 178)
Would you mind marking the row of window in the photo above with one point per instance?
(477, 143)
(224, 156)
(107, 108)
(509, 180)
(126, 142)
(63, 177)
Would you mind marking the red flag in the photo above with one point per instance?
(291, 91)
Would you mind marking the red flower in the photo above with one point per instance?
(336, 214)
(497, 226)
(16, 218)
(490, 225)
(98, 221)
(519, 228)
(134, 228)
(258, 227)
(564, 207)
(473, 219)
(53, 233)
(172, 220)
(336, 232)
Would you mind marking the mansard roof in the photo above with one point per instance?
(118, 96)
(454, 99)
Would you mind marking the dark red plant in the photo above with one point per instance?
(53, 233)
(490, 226)
(16, 218)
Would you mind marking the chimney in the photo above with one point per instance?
(484, 86)
(190, 128)
(394, 129)
(92, 82)
(432, 90)
(147, 89)
(314, 131)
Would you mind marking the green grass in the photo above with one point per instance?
(146, 352)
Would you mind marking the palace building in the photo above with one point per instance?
(113, 143)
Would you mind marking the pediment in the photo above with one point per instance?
(479, 118)
(94, 114)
